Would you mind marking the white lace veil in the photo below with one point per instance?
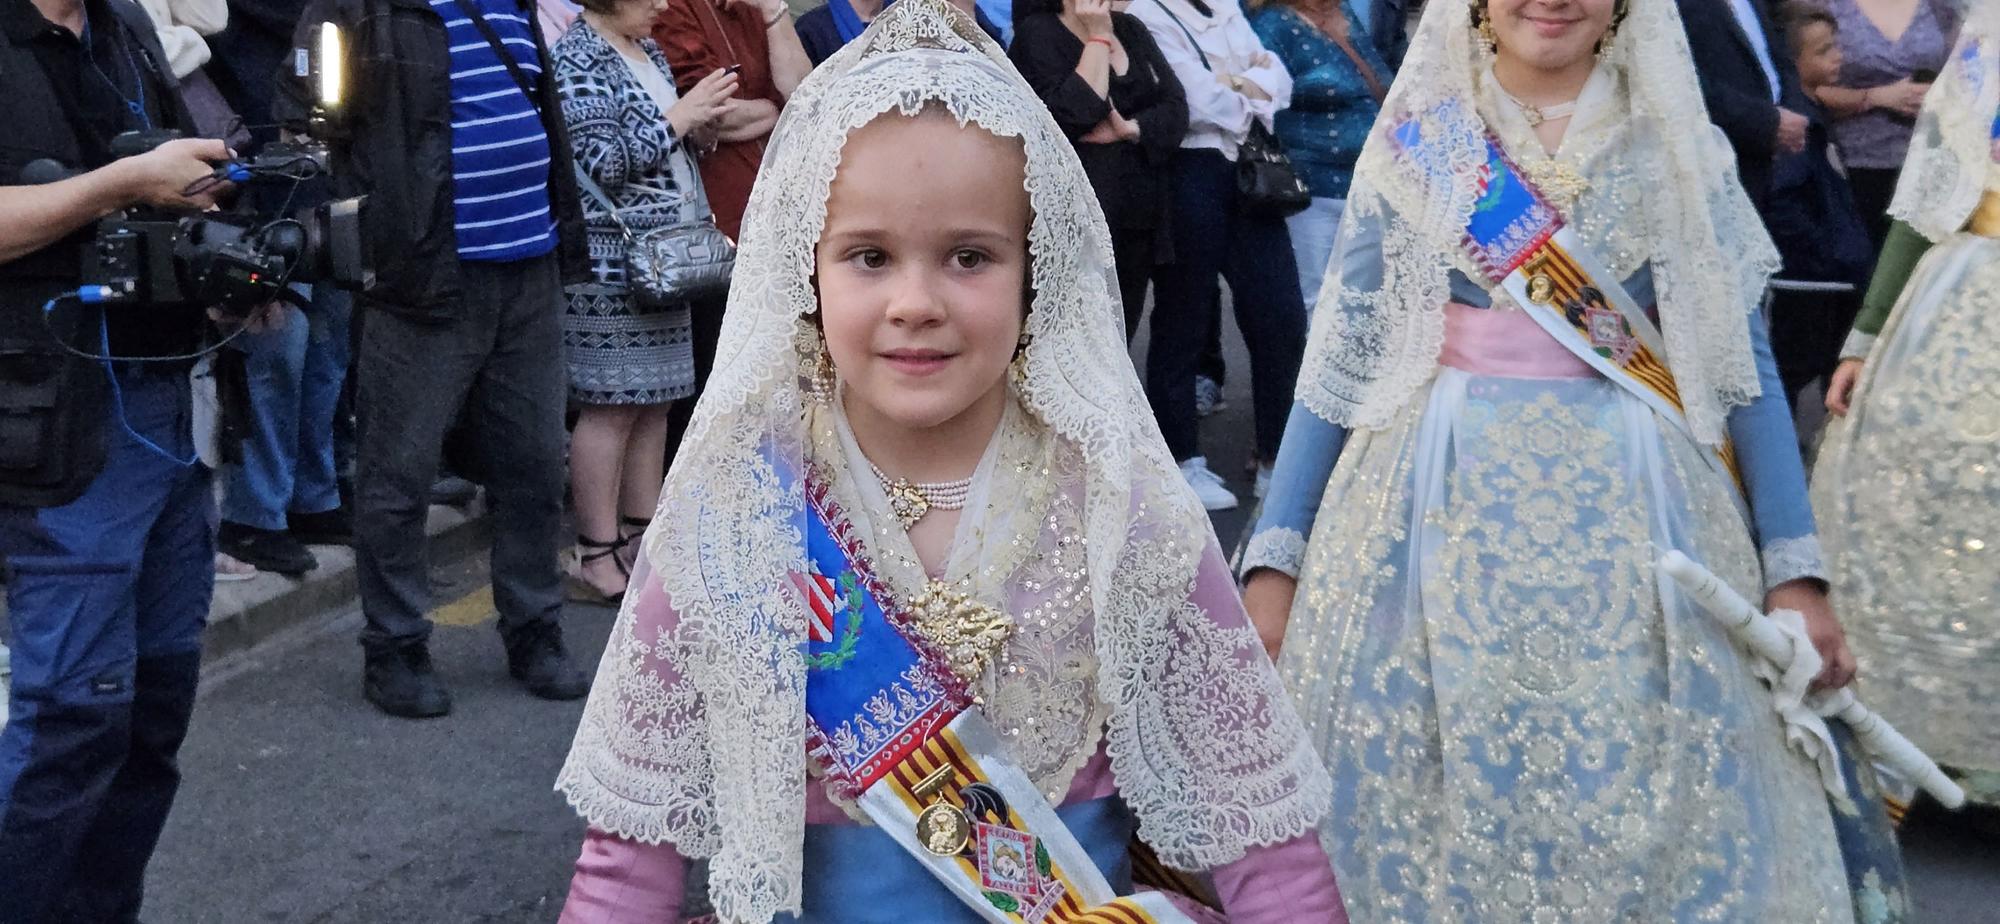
(1952, 149)
(1378, 326)
(695, 730)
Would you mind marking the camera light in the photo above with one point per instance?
(331, 60)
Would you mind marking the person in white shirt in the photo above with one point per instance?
(1232, 82)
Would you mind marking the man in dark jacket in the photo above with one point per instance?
(1750, 84)
(471, 226)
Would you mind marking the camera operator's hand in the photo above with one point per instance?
(161, 177)
(35, 216)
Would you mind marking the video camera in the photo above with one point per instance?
(237, 260)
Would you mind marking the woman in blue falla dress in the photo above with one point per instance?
(1497, 435)
(928, 626)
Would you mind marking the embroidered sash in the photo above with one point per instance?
(1520, 241)
(894, 729)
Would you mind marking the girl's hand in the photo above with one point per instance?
(1822, 626)
(1268, 596)
(1840, 386)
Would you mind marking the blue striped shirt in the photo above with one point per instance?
(499, 153)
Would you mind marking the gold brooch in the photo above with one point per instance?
(906, 503)
(968, 633)
(1558, 181)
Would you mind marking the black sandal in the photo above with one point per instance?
(639, 525)
(580, 588)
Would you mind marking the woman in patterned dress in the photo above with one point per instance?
(632, 136)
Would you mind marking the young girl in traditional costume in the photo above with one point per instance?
(928, 623)
(1909, 481)
(1535, 367)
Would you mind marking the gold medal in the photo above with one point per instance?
(1541, 289)
(944, 830)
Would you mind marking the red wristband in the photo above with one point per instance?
(1098, 40)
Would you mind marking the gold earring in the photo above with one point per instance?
(1488, 41)
(815, 366)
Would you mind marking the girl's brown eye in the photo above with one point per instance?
(873, 259)
(970, 259)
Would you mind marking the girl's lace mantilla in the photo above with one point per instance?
(1378, 327)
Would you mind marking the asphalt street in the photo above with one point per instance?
(303, 804)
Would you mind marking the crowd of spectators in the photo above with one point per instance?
(638, 114)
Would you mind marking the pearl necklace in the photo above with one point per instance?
(910, 501)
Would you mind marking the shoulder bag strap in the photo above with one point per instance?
(1184, 31)
(492, 38)
(1368, 75)
(590, 188)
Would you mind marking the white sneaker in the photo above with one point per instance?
(1207, 485)
(1263, 481)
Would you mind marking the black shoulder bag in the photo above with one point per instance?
(1266, 184)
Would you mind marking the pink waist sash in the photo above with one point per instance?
(1505, 342)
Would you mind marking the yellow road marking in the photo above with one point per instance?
(469, 610)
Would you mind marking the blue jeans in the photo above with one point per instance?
(1313, 232)
(1213, 239)
(106, 605)
(296, 373)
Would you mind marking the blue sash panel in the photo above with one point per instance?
(1510, 221)
(871, 696)
(858, 875)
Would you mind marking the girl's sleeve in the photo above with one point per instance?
(1306, 457)
(1774, 477)
(619, 880)
(1283, 883)
(1900, 255)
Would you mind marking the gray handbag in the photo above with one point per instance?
(688, 261)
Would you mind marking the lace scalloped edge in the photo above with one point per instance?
(1792, 559)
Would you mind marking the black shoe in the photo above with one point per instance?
(537, 659)
(400, 682)
(329, 527)
(453, 491)
(268, 549)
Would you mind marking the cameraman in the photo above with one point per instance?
(106, 520)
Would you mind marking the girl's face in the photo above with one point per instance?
(1549, 35)
(923, 268)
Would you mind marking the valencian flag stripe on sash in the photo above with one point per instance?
(1521, 243)
(895, 731)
